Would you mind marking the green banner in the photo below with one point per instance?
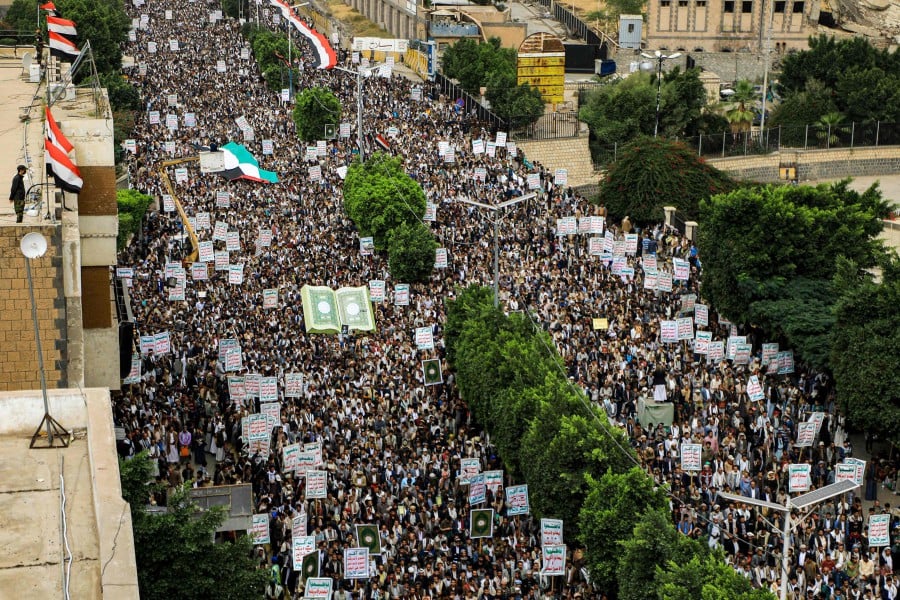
(367, 537)
(355, 308)
(311, 565)
(481, 523)
(320, 310)
(431, 370)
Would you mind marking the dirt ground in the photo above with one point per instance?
(358, 24)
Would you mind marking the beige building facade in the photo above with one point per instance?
(730, 25)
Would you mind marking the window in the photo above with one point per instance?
(682, 3)
(798, 7)
(701, 3)
(747, 6)
(729, 6)
(779, 6)
(631, 28)
(665, 3)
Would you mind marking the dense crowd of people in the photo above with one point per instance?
(391, 445)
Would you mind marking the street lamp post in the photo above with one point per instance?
(359, 72)
(659, 57)
(767, 48)
(495, 208)
(799, 503)
(290, 46)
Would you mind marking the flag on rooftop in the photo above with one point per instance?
(61, 47)
(62, 27)
(50, 8)
(64, 172)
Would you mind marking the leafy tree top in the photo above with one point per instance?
(473, 63)
(105, 24)
(314, 108)
(655, 172)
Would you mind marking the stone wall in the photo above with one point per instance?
(18, 351)
(814, 164)
(729, 66)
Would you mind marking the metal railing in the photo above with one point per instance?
(469, 103)
(551, 126)
(576, 25)
(800, 137)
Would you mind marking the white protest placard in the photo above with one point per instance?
(786, 362)
(631, 243)
(668, 332)
(561, 177)
(233, 241)
(701, 342)
(477, 146)
(879, 530)
(233, 360)
(162, 343)
(268, 389)
(424, 338)
(245, 53)
(151, 47)
(298, 525)
(322, 148)
(685, 327)
(259, 529)
(701, 315)
(301, 545)
(222, 261)
(376, 290)
(468, 468)
(691, 457)
(316, 484)
(220, 66)
(259, 426)
(806, 434)
(845, 472)
(318, 587)
(517, 500)
(477, 489)
(356, 563)
(181, 175)
(316, 449)
(344, 129)
(252, 381)
(270, 298)
(190, 120)
(170, 146)
(430, 212)
(716, 351)
(440, 258)
(595, 246)
(268, 146)
(153, 117)
(293, 385)
(567, 226)
(533, 180)
(501, 138)
(682, 269)
(289, 454)
(860, 468)
(401, 294)
(553, 560)
(236, 274)
(493, 480)
(664, 281)
(306, 461)
(551, 532)
(754, 389)
(173, 45)
(124, 273)
(799, 477)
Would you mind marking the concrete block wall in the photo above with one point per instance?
(572, 154)
(18, 351)
(814, 164)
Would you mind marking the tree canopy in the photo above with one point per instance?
(22, 17)
(105, 24)
(314, 108)
(769, 256)
(519, 105)
(655, 172)
(474, 63)
(411, 252)
(866, 352)
(175, 552)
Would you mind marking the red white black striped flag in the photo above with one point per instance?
(61, 47)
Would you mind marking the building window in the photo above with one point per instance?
(701, 3)
(631, 28)
(779, 6)
(682, 3)
(665, 3)
(747, 6)
(729, 6)
(798, 7)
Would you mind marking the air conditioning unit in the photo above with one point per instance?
(62, 92)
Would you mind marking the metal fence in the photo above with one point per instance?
(576, 25)
(551, 126)
(469, 103)
(800, 137)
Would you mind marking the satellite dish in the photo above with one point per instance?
(26, 61)
(33, 245)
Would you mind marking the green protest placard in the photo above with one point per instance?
(431, 370)
(310, 567)
(481, 523)
(367, 537)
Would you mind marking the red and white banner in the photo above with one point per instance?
(60, 166)
(325, 56)
(61, 47)
(63, 27)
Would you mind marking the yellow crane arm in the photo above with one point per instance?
(164, 175)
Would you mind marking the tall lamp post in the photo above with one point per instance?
(360, 72)
(33, 246)
(799, 503)
(495, 208)
(290, 45)
(659, 57)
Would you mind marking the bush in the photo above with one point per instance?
(315, 108)
(132, 206)
(411, 250)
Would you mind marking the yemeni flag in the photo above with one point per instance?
(65, 174)
(382, 143)
(54, 134)
(367, 537)
(62, 47)
(325, 58)
(310, 566)
(240, 164)
(62, 27)
(50, 8)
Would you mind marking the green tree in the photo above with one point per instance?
(473, 63)
(740, 115)
(411, 250)
(653, 544)
(769, 254)
(105, 24)
(869, 94)
(122, 94)
(519, 105)
(653, 172)
(175, 552)
(379, 196)
(800, 109)
(22, 17)
(866, 352)
(615, 504)
(705, 577)
(830, 125)
(469, 305)
(132, 206)
(315, 108)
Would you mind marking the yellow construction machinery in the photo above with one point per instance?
(164, 175)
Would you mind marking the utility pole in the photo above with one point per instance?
(767, 48)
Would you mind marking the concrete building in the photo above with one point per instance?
(398, 17)
(730, 25)
(73, 293)
(63, 522)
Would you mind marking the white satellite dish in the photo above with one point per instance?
(33, 245)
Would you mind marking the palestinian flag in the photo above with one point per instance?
(431, 369)
(367, 537)
(61, 47)
(240, 164)
(310, 566)
(481, 523)
(50, 8)
(325, 58)
(63, 27)
(60, 166)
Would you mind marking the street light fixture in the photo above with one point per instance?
(33, 246)
(659, 57)
(359, 72)
(495, 208)
(800, 502)
(291, 45)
